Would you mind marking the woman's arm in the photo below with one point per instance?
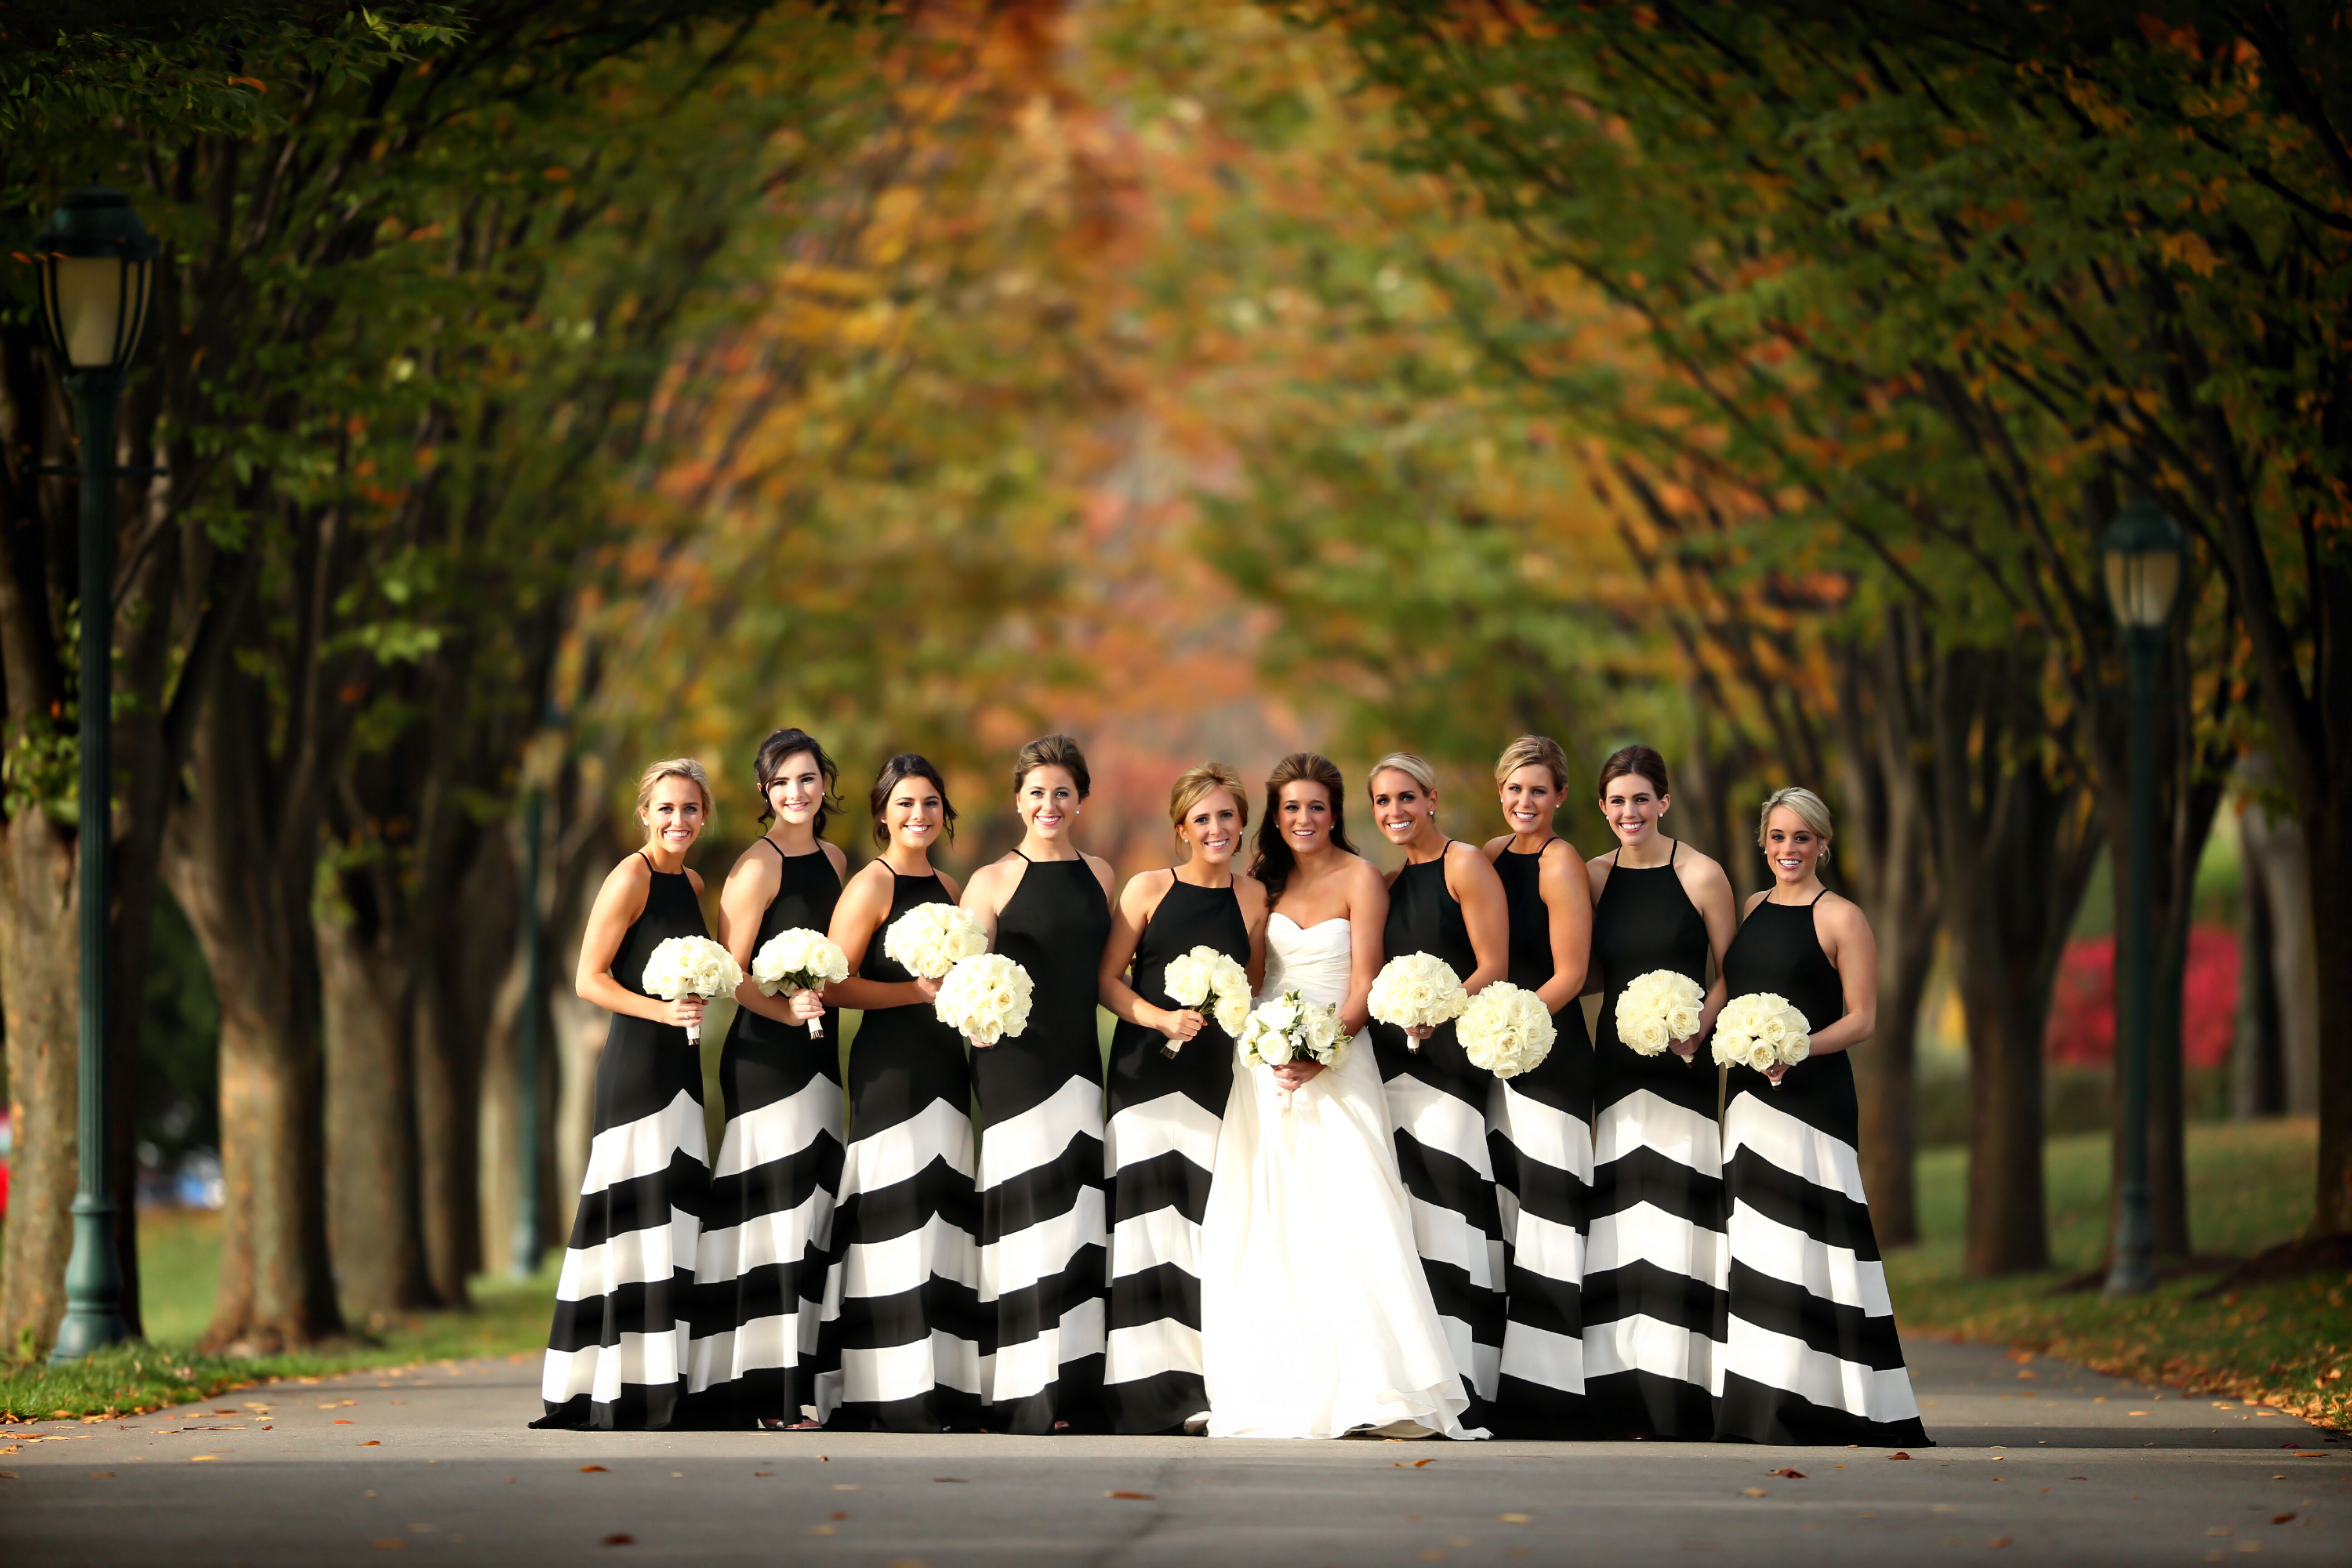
(1251, 894)
(1367, 916)
(1596, 877)
(750, 888)
(618, 904)
(1478, 888)
(990, 889)
(1710, 890)
(856, 921)
(1848, 944)
(1136, 901)
(1567, 890)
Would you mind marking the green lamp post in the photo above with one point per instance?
(2143, 550)
(95, 264)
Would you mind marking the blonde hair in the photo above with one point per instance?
(1534, 751)
(674, 768)
(1810, 809)
(1197, 782)
(1407, 764)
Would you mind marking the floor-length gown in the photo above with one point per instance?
(1316, 1317)
(1437, 1100)
(1043, 1208)
(1539, 1128)
(899, 1341)
(1811, 1352)
(616, 1354)
(1161, 1148)
(1654, 1264)
(760, 1271)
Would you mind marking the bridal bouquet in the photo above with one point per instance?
(931, 939)
(1213, 983)
(1507, 1030)
(985, 997)
(1762, 1031)
(1415, 990)
(1657, 1010)
(799, 960)
(1287, 1028)
(683, 966)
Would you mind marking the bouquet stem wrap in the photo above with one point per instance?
(1762, 1031)
(1659, 1010)
(799, 960)
(1417, 991)
(1210, 982)
(1286, 1027)
(683, 966)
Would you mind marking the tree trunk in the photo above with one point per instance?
(2258, 1054)
(375, 1230)
(2330, 831)
(2284, 851)
(40, 959)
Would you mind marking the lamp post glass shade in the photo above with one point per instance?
(96, 263)
(2142, 547)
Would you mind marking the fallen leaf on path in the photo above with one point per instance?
(108, 1474)
(2281, 1518)
(1898, 1454)
(200, 1459)
(1752, 1491)
(1998, 1540)
(846, 1487)
(373, 1443)
(389, 1543)
(1139, 1496)
(8, 1475)
(836, 1515)
(951, 1480)
(1788, 1474)
(763, 1472)
(1517, 1518)
(1421, 1464)
(620, 1538)
(820, 1529)
(340, 1421)
(585, 1468)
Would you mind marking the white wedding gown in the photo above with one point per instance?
(1315, 1320)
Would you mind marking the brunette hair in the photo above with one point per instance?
(1536, 751)
(1275, 860)
(1409, 764)
(1197, 782)
(781, 746)
(1810, 809)
(1053, 751)
(1637, 761)
(898, 771)
(674, 768)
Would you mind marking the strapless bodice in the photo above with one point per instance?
(1314, 961)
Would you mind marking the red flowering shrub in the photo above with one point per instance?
(2082, 1027)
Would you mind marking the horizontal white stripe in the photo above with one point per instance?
(1779, 1362)
(1645, 1234)
(1477, 1363)
(1148, 1241)
(1540, 1356)
(1147, 1350)
(1029, 1255)
(1039, 1134)
(780, 1129)
(1146, 1131)
(729, 1252)
(1549, 1248)
(893, 1267)
(898, 1154)
(763, 1343)
(1024, 1369)
(644, 1361)
(1542, 1133)
(1442, 1235)
(647, 1256)
(1435, 1119)
(1646, 1120)
(645, 1146)
(908, 1371)
(1788, 1255)
(1788, 1145)
(1645, 1344)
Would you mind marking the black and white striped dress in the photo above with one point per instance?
(1654, 1262)
(616, 1355)
(1810, 1353)
(1044, 1209)
(1540, 1129)
(1438, 1102)
(1161, 1149)
(761, 1270)
(899, 1341)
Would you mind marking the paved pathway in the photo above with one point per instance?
(2039, 1462)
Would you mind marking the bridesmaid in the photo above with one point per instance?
(1445, 900)
(1165, 1110)
(1044, 1253)
(900, 1337)
(1811, 1354)
(760, 1273)
(1654, 1266)
(1539, 1123)
(617, 1356)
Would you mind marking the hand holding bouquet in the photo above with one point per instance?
(1289, 1028)
(1762, 1031)
(799, 960)
(1209, 982)
(683, 966)
(931, 939)
(1507, 1030)
(985, 997)
(1658, 1010)
(1417, 992)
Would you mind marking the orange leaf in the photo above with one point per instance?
(1139, 1497)
(1423, 1464)
(1791, 1475)
(1898, 1454)
(585, 1468)
(620, 1537)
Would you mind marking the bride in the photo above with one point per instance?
(1315, 1320)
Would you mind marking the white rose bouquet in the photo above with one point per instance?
(683, 966)
(1213, 983)
(1657, 1010)
(985, 997)
(931, 939)
(799, 960)
(1762, 1031)
(1417, 991)
(1282, 1030)
(1505, 1030)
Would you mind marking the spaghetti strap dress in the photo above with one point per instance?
(760, 1271)
(1811, 1352)
(616, 1354)
(1160, 1147)
(1653, 1264)
(898, 1342)
(1438, 1103)
(1044, 1206)
(1540, 1129)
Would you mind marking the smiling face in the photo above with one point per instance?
(1046, 801)
(1304, 814)
(1400, 805)
(1213, 828)
(1793, 850)
(1633, 805)
(1530, 795)
(674, 814)
(914, 814)
(797, 791)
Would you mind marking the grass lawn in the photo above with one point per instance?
(2249, 1188)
